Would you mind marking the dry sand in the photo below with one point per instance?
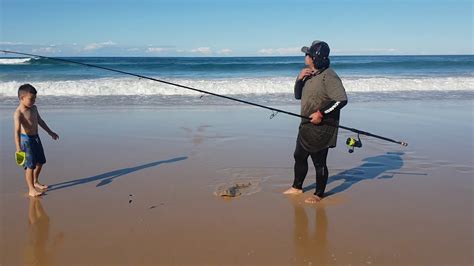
(137, 186)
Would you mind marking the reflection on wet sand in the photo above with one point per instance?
(37, 251)
(311, 245)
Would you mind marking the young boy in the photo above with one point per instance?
(26, 120)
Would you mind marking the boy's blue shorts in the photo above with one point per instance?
(31, 145)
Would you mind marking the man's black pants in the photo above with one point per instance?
(301, 168)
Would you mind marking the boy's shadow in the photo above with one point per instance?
(108, 177)
(374, 168)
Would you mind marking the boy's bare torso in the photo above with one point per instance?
(28, 119)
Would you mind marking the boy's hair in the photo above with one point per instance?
(25, 89)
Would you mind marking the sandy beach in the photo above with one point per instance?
(139, 186)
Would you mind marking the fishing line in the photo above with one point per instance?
(274, 110)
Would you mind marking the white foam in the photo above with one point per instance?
(383, 84)
(14, 61)
(248, 86)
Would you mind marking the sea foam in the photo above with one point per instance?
(236, 86)
(14, 61)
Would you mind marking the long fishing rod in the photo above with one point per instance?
(351, 142)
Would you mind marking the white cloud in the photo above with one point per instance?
(12, 43)
(95, 46)
(156, 50)
(279, 51)
(47, 50)
(202, 50)
(391, 50)
(368, 51)
(224, 51)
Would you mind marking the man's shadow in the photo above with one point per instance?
(376, 167)
(107, 178)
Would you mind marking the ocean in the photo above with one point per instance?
(263, 80)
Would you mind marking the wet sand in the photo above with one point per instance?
(140, 186)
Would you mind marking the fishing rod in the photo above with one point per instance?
(351, 142)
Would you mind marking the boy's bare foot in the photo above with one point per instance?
(34, 193)
(40, 186)
(293, 190)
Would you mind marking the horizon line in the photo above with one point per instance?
(6, 55)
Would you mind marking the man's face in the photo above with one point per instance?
(308, 60)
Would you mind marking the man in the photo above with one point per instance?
(322, 97)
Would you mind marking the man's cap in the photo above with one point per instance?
(317, 48)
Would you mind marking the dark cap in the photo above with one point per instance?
(317, 48)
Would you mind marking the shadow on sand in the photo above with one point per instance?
(107, 178)
(375, 167)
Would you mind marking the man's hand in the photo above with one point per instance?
(304, 73)
(316, 117)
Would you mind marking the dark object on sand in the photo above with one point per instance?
(234, 191)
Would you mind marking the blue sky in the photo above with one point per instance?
(235, 28)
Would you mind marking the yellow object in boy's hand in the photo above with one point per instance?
(20, 158)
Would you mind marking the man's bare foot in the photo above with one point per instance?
(34, 193)
(293, 190)
(40, 186)
(313, 199)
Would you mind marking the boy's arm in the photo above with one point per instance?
(17, 130)
(46, 128)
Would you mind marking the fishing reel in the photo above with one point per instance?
(353, 143)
